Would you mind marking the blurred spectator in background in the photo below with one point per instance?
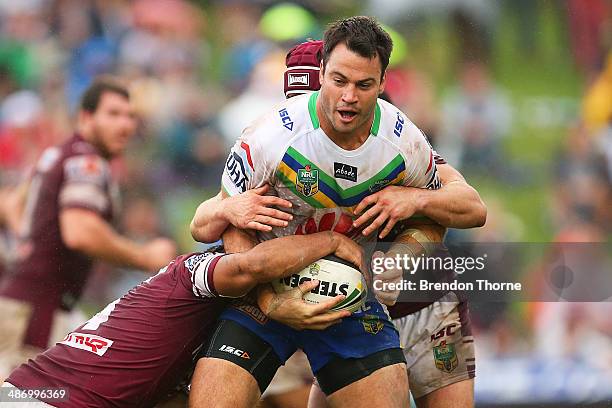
(580, 331)
(12, 200)
(590, 27)
(597, 113)
(71, 202)
(192, 146)
(582, 187)
(242, 40)
(413, 92)
(472, 22)
(264, 90)
(25, 130)
(604, 144)
(476, 117)
(142, 222)
(597, 102)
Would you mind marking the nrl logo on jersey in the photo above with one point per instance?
(307, 182)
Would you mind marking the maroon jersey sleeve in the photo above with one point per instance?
(86, 181)
(201, 268)
(139, 347)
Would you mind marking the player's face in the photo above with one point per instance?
(350, 85)
(113, 123)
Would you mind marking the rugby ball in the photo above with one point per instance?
(335, 276)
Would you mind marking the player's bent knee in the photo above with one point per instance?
(379, 379)
(386, 387)
(456, 395)
(339, 373)
(221, 383)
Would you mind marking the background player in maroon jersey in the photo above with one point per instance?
(139, 347)
(66, 225)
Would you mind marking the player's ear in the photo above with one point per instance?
(381, 87)
(84, 117)
(321, 72)
(83, 114)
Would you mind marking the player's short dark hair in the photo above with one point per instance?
(92, 95)
(362, 35)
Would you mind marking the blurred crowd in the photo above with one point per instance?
(200, 71)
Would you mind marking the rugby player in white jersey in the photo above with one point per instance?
(346, 132)
(424, 326)
(455, 205)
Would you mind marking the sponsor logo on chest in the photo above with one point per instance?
(344, 171)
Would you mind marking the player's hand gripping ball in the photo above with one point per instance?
(335, 276)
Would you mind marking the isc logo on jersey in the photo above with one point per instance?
(287, 122)
(239, 166)
(335, 278)
(399, 125)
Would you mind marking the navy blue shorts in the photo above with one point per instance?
(365, 332)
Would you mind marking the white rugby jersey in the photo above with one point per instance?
(287, 149)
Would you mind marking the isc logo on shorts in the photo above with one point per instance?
(235, 351)
(88, 342)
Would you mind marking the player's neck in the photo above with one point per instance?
(87, 135)
(347, 141)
